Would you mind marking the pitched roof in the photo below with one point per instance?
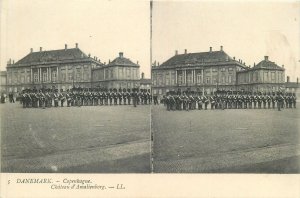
(266, 64)
(53, 55)
(122, 61)
(197, 58)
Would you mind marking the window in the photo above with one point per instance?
(223, 69)
(189, 78)
(44, 76)
(22, 79)
(112, 74)
(207, 71)
(167, 79)
(35, 77)
(63, 77)
(230, 69)
(223, 79)
(78, 76)
(207, 80)
(273, 77)
(180, 79)
(199, 78)
(70, 76)
(230, 79)
(266, 76)
(160, 80)
(128, 73)
(155, 91)
(214, 80)
(173, 78)
(159, 91)
(28, 79)
(214, 69)
(54, 76)
(120, 73)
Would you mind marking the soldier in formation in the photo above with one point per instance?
(47, 98)
(189, 100)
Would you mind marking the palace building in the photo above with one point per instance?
(62, 69)
(210, 71)
(119, 73)
(67, 68)
(266, 76)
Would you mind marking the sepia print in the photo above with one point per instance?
(149, 87)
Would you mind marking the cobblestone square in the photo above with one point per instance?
(88, 139)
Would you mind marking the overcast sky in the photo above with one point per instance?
(248, 30)
(102, 28)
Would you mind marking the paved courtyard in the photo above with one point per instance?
(109, 139)
(226, 141)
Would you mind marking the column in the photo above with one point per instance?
(184, 79)
(176, 77)
(194, 76)
(50, 72)
(39, 74)
(31, 80)
(56, 80)
(103, 73)
(47, 74)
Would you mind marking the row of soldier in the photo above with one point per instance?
(33, 98)
(228, 100)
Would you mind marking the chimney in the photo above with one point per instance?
(254, 65)
(176, 52)
(66, 46)
(221, 48)
(89, 55)
(297, 80)
(41, 49)
(157, 63)
(210, 49)
(185, 51)
(121, 54)
(13, 61)
(234, 58)
(137, 62)
(288, 79)
(109, 61)
(282, 66)
(31, 50)
(266, 58)
(143, 75)
(76, 44)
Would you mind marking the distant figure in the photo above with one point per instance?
(11, 97)
(2, 98)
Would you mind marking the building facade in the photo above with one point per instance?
(3, 78)
(210, 71)
(204, 71)
(62, 69)
(145, 83)
(120, 73)
(266, 76)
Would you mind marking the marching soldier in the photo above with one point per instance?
(212, 102)
(120, 96)
(264, 100)
(273, 99)
(279, 100)
(56, 98)
(269, 100)
(135, 97)
(294, 100)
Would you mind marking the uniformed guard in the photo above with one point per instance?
(294, 99)
(269, 100)
(279, 100)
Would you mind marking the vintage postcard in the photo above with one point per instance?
(145, 98)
